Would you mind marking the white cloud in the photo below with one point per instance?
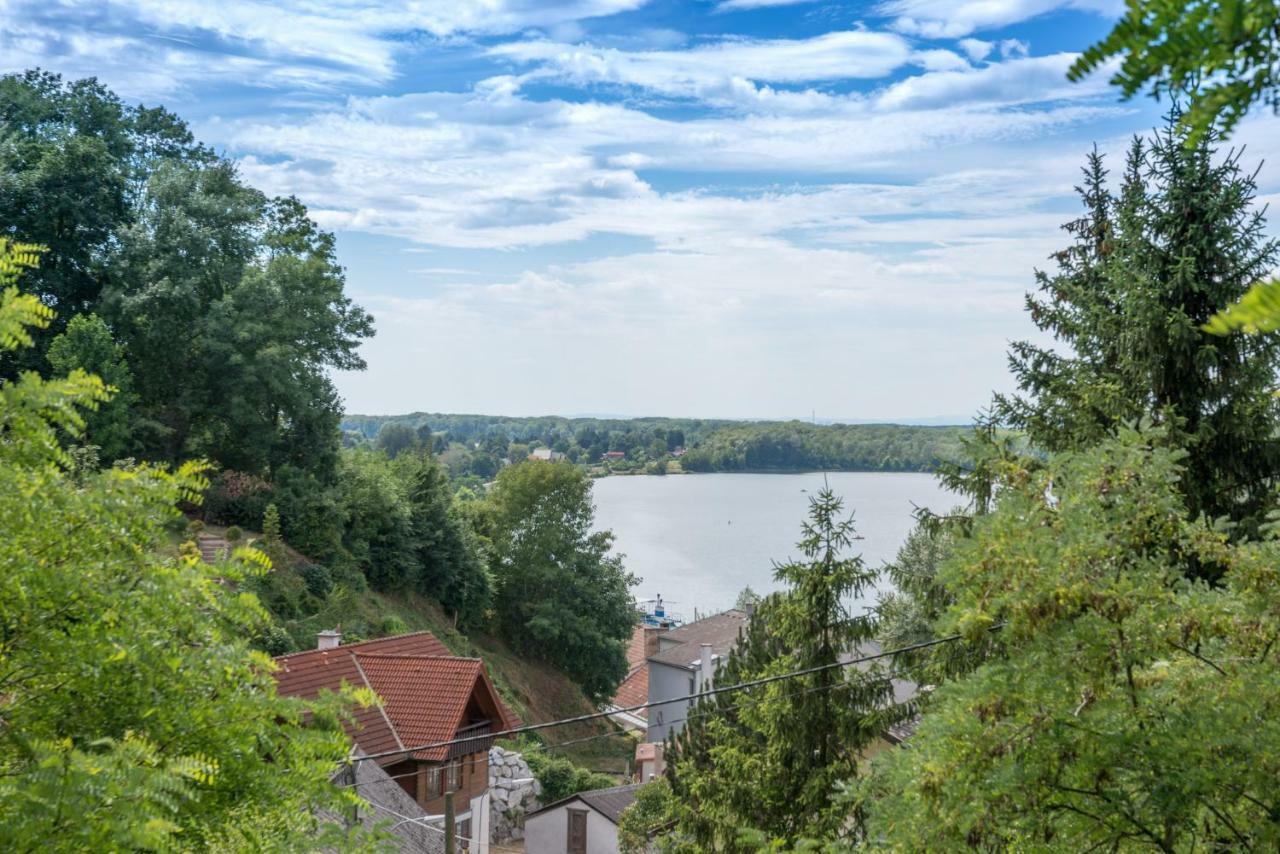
(493, 169)
(1014, 48)
(712, 70)
(149, 47)
(975, 48)
(740, 5)
(1033, 80)
(956, 18)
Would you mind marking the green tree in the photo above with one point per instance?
(1148, 268)
(135, 716)
(1130, 707)
(771, 760)
(649, 819)
(87, 344)
(228, 307)
(559, 593)
(451, 560)
(395, 438)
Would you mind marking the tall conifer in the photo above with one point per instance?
(1147, 268)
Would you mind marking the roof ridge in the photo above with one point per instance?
(350, 646)
(466, 658)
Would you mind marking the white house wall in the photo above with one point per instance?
(548, 832)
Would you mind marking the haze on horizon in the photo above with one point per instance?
(739, 209)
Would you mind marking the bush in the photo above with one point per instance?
(317, 578)
(274, 641)
(234, 534)
(392, 625)
(559, 777)
(236, 498)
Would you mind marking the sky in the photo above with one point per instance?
(707, 208)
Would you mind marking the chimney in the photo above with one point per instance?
(706, 667)
(329, 638)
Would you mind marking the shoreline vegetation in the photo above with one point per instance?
(478, 445)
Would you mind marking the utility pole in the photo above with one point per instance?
(450, 828)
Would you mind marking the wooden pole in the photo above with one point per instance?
(450, 827)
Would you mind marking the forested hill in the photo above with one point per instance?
(710, 444)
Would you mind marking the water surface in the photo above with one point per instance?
(699, 539)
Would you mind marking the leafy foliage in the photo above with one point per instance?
(1223, 54)
(218, 312)
(559, 594)
(1131, 707)
(135, 717)
(558, 776)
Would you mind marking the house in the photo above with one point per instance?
(427, 696)
(585, 823)
(685, 663)
(613, 456)
(546, 455)
(634, 688)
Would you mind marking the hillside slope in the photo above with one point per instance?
(305, 598)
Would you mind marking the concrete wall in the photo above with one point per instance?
(548, 832)
(667, 681)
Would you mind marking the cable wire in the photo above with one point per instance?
(408, 752)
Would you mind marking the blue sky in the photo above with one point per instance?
(739, 208)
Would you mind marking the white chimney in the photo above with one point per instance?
(706, 667)
(329, 639)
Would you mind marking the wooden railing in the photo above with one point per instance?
(479, 738)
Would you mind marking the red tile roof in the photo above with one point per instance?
(427, 695)
(634, 688)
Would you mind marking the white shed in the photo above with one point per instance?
(585, 823)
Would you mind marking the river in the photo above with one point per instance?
(699, 539)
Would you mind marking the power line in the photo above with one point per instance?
(622, 734)
(409, 751)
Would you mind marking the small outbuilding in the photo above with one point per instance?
(585, 823)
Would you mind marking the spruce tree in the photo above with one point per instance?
(1147, 268)
(770, 760)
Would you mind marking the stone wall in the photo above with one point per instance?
(513, 793)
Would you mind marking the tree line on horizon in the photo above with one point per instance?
(478, 445)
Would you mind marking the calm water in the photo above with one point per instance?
(699, 539)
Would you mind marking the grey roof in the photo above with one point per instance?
(720, 630)
(611, 802)
(608, 802)
(903, 690)
(392, 808)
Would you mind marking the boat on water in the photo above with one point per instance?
(653, 613)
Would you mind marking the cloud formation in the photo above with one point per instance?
(956, 18)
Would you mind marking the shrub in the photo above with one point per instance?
(317, 578)
(392, 625)
(274, 641)
(558, 776)
(234, 534)
(236, 498)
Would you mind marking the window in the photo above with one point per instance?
(577, 832)
(453, 780)
(693, 685)
(433, 783)
(464, 834)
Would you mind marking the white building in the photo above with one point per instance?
(585, 823)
